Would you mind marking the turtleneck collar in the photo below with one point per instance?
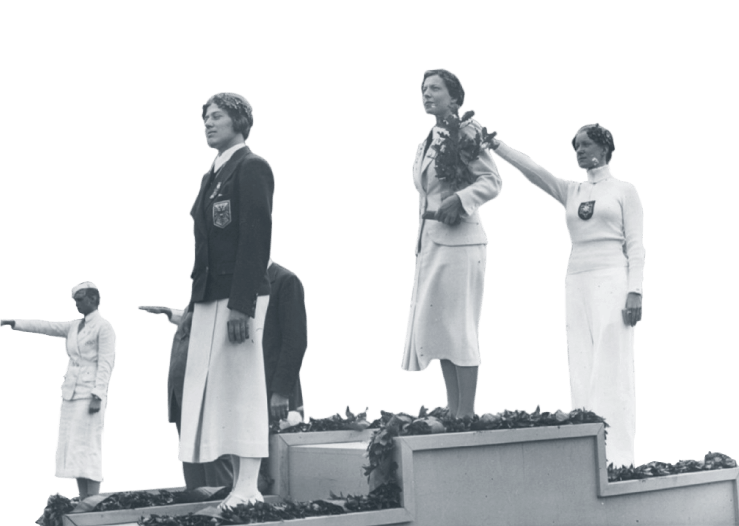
(598, 174)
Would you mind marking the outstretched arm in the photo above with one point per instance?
(554, 186)
(50, 328)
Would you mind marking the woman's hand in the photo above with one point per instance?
(632, 312)
(278, 406)
(158, 310)
(238, 326)
(8, 322)
(94, 405)
(494, 143)
(450, 210)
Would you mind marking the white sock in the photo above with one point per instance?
(246, 477)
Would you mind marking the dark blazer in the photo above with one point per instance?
(284, 343)
(285, 335)
(233, 231)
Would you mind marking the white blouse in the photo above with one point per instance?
(604, 217)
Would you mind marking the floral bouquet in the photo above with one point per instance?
(456, 150)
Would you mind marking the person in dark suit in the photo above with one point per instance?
(285, 341)
(284, 344)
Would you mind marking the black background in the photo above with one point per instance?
(103, 190)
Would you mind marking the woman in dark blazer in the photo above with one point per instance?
(224, 407)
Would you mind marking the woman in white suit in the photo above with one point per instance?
(604, 282)
(91, 350)
(450, 254)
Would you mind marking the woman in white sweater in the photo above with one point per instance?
(603, 284)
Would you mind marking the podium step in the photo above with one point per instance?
(317, 470)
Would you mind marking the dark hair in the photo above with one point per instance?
(94, 295)
(453, 86)
(599, 135)
(237, 107)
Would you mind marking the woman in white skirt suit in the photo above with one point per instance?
(224, 404)
(91, 350)
(450, 256)
(603, 285)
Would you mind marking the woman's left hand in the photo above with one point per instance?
(279, 406)
(632, 312)
(94, 405)
(450, 210)
(238, 326)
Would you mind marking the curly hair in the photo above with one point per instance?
(237, 108)
(599, 135)
(453, 86)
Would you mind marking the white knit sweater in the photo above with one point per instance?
(612, 235)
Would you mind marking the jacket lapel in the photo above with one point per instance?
(272, 273)
(230, 166)
(430, 153)
(197, 208)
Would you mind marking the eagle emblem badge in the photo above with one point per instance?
(585, 211)
(222, 213)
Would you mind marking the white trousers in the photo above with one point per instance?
(601, 355)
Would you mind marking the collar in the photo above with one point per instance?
(601, 173)
(225, 156)
(270, 263)
(92, 316)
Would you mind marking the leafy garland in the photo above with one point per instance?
(456, 150)
(381, 471)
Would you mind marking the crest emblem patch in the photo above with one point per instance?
(585, 211)
(222, 213)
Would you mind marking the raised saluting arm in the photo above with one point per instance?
(59, 329)
(554, 186)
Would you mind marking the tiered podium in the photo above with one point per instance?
(527, 477)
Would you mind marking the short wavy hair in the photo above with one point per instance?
(599, 135)
(453, 86)
(237, 108)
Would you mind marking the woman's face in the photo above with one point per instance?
(589, 153)
(436, 98)
(85, 304)
(219, 129)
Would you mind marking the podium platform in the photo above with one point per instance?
(518, 477)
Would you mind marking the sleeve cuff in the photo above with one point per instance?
(176, 316)
(98, 392)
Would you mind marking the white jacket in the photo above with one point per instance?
(91, 353)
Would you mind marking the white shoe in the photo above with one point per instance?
(234, 500)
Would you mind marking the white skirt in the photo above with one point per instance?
(79, 451)
(445, 306)
(224, 404)
(601, 355)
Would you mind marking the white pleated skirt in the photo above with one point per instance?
(601, 355)
(79, 450)
(445, 305)
(224, 404)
